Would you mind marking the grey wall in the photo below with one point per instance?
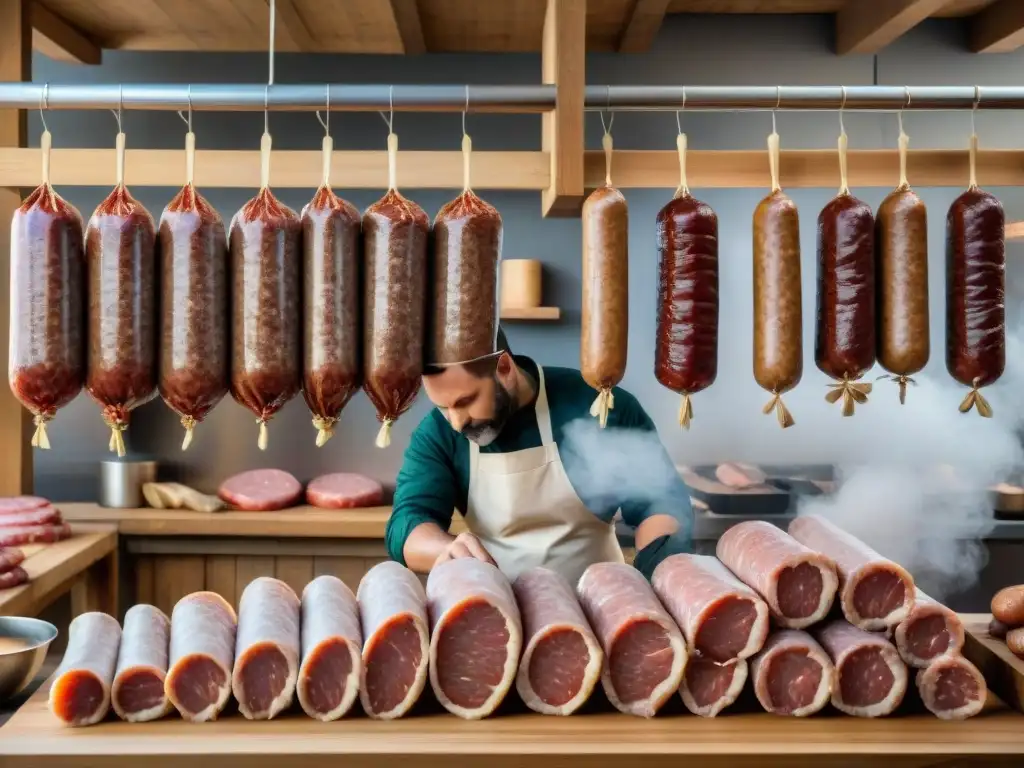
(696, 50)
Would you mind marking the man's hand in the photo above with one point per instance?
(464, 545)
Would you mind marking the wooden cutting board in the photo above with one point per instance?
(1003, 671)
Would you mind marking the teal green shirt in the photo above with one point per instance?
(434, 478)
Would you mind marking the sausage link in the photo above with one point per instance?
(604, 326)
(901, 241)
(778, 316)
(46, 367)
(395, 232)
(975, 287)
(466, 240)
(121, 262)
(686, 346)
(194, 364)
(266, 364)
(844, 347)
(332, 331)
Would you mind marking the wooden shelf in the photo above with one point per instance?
(1015, 230)
(531, 313)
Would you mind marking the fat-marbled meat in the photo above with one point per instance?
(138, 693)
(709, 687)
(202, 653)
(929, 631)
(871, 679)
(80, 693)
(792, 674)
(332, 643)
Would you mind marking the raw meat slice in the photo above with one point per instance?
(13, 577)
(396, 644)
(21, 503)
(138, 693)
(930, 630)
(343, 490)
(645, 653)
(261, 490)
(562, 661)
(475, 636)
(45, 515)
(952, 688)
(871, 679)
(739, 476)
(332, 644)
(709, 687)
(10, 557)
(875, 593)
(798, 583)
(720, 616)
(17, 535)
(198, 682)
(792, 674)
(266, 649)
(80, 694)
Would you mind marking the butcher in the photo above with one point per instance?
(491, 449)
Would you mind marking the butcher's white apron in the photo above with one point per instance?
(526, 513)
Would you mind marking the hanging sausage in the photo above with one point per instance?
(121, 263)
(46, 367)
(975, 288)
(466, 250)
(778, 317)
(395, 232)
(331, 365)
(604, 325)
(266, 364)
(686, 346)
(844, 347)
(901, 240)
(194, 365)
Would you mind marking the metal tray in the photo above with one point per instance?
(777, 496)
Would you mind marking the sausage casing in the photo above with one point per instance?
(845, 342)
(901, 271)
(395, 232)
(604, 324)
(778, 315)
(194, 369)
(266, 362)
(975, 288)
(332, 295)
(686, 341)
(121, 263)
(465, 251)
(46, 366)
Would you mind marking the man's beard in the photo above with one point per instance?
(485, 432)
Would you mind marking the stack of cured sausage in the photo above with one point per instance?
(812, 616)
(26, 520)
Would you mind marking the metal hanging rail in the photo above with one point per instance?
(502, 98)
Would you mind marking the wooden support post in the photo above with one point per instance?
(15, 422)
(564, 65)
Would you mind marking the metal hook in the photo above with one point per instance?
(188, 122)
(679, 123)
(842, 106)
(44, 104)
(974, 109)
(464, 111)
(326, 123)
(120, 106)
(778, 103)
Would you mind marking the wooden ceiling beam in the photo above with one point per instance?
(868, 27)
(998, 28)
(290, 26)
(409, 26)
(563, 64)
(58, 39)
(643, 25)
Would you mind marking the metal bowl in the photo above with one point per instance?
(18, 668)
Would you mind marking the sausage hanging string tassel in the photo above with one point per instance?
(786, 419)
(263, 437)
(384, 435)
(116, 444)
(851, 392)
(39, 438)
(685, 412)
(977, 400)
(901, 382)
(602, 405)
(189, 423)
(325, 430)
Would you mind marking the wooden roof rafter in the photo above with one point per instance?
(998, 28)
(57, 38)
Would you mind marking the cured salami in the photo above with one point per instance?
(16, 535)
(792, 674)
(22, 503)
(138, 693)
(261, 490)
(80, 694)
(13, 577)
(721, 617)
(709, 687)
(31, 517)
(203, 629)
(396, 650)
(328, 681)
(875, 593)
(344, 490)
(266, 648)
(929, 631)
(562, 659)
(645, 653)
(475, 636)
(952, 688)
(797, 583)
(871, 679)
(10, 557)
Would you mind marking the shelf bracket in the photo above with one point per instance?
(563, 64)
